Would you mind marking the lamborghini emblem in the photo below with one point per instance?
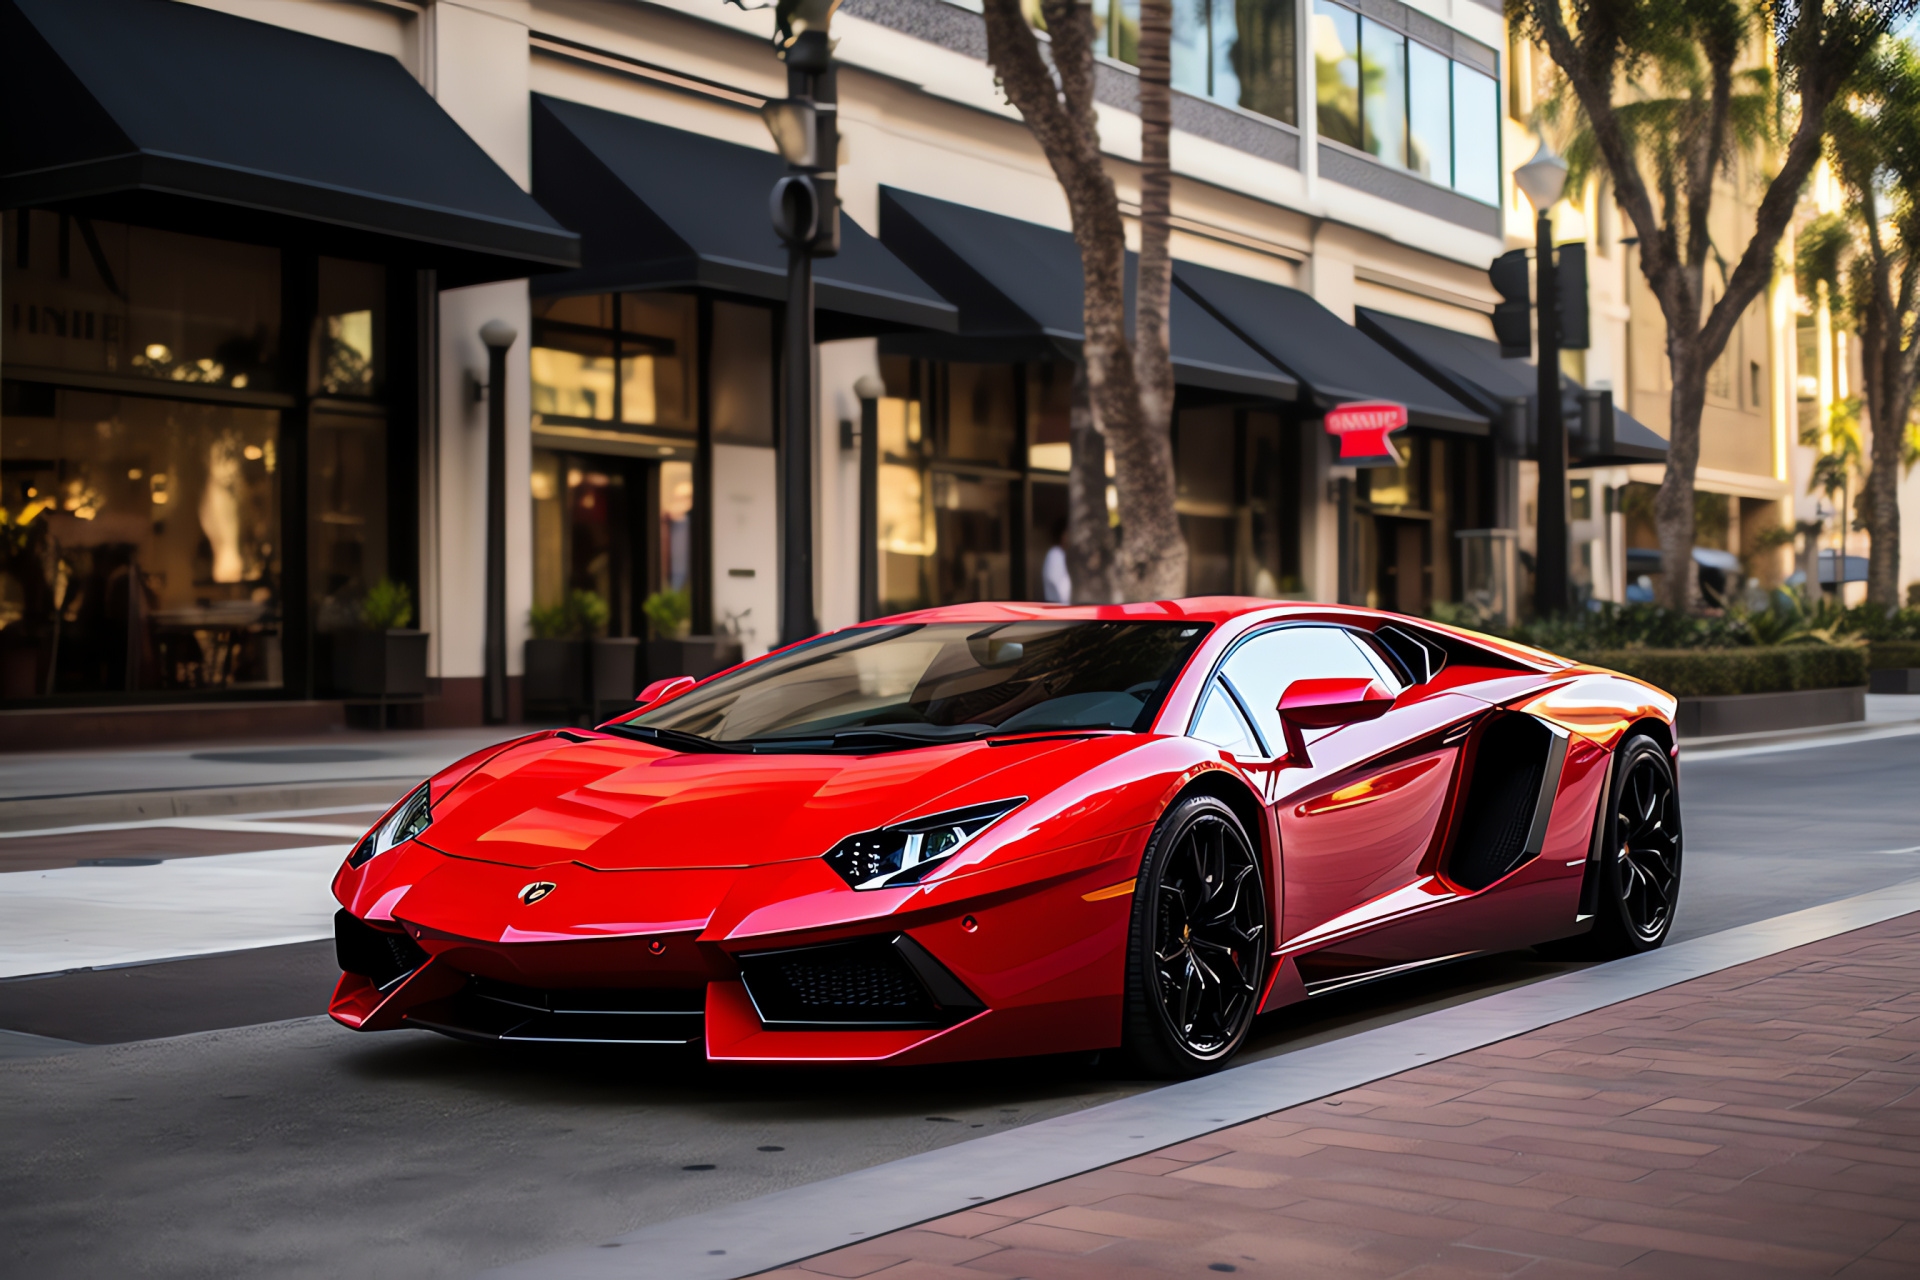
(536, 891)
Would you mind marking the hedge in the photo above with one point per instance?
(1701, 673)
(1883, 654)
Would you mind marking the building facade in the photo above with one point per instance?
(245, 380)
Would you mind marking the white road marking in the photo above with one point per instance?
(88, 917)
(269, 822)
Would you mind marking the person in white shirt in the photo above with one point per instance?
(1055, 581)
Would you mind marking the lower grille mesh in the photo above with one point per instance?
(885, 982)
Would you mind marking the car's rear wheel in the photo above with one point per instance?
(1639, 867)
(1198, 947)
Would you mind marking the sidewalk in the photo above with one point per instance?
(1759, 1121)
(64, 788)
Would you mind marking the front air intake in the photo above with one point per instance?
(889, 982)
(381, 956)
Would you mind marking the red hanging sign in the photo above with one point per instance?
(1364, 429)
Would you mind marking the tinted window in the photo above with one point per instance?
(1014, 677)
(1262, 668)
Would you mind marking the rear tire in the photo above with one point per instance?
(1639, 867)
(1197, 950)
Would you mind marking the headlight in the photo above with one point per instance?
(907, 851)
(404, 823)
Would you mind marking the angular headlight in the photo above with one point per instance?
(907, 851)
(404, 823)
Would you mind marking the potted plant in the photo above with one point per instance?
(384, 657)
(672, 651)
(555, 681)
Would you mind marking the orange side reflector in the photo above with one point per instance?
(1120, 890)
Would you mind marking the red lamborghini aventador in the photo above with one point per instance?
(1003, 829)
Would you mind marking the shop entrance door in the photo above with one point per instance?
(614, 526)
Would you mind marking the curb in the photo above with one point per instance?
(196, 802)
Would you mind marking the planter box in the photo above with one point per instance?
(1894, 680)
(556, 674)
(615, 676)
(1713, 717)
(696, 656)
(380, 664)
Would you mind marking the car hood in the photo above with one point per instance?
(615, 805)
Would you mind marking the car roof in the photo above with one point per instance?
(1192, 609)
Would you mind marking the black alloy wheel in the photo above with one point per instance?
(1640, 863)
(1198, 947)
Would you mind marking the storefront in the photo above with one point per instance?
(216, 341)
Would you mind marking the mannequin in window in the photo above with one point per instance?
(1055, 581)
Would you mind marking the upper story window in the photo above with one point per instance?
(1405, 102)
(1239, 52)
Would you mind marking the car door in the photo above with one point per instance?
(1359, 817)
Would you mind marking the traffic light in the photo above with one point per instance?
(1513, 316)
(1573, 297)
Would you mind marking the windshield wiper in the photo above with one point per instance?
(875, 738)
(676, 739)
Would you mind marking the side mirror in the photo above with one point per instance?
(1328, 704)
(661, 690)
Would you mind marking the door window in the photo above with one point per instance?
(1221, 723)
(1261, 669)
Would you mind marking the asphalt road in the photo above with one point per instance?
(294, 1148)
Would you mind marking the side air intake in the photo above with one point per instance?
(1515, 772)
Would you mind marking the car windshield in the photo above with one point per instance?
(939, 681)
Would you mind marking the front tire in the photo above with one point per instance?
(1639, 868)
(1197, 950)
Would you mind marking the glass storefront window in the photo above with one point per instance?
(979, 424)
(657, 340)
(1336, 71)
(639, 374)
(1049, 416)
(102, 297)
(971, 517)
(1383, 91)
(350, 332)
(742, 374)
(347, 507)
(909, 539)
(141, 546)
(1205, 478)
(676, 529)
(572, 376)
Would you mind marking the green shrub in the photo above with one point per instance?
(388, 606)
(1884, 654)
(578, 617)
(668, 612)
(1701, 673)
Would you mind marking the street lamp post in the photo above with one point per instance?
(498, 335)
(806, 214)
(1543, 178)
(870, 391)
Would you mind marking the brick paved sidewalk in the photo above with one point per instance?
(1762, 1121)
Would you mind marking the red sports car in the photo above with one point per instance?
(1000, 829)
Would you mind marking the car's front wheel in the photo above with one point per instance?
(1198, 947)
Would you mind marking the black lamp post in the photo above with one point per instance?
(806, 214)
(870, 391)
(498, 335)
(1543, 178)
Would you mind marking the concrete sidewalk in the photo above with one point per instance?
(63, 788)
(1760, 1121)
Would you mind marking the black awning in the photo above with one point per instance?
(1473, 369)
(1334, 361)
(178, 116)
(661, 208)
(1018, 286)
